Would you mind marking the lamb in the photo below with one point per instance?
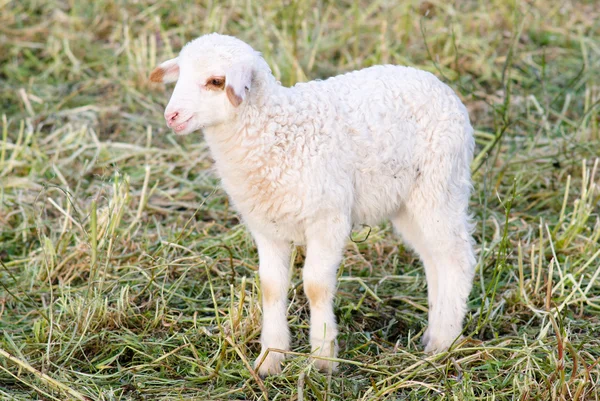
(303, 164)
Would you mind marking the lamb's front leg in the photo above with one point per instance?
(325, 243)
(274, 256)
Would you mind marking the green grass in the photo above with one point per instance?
(126, 275)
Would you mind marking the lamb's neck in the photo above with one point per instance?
(243, 148)
(251, 119)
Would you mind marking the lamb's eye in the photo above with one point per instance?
(215, 83)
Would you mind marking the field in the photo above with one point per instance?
(126, 275)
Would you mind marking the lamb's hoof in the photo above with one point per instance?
(435, 344)
(271, 365)
(327, 351)
(325, 366)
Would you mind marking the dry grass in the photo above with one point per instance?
(126, 275)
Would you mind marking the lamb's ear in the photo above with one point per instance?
(237, 79)
(166, 72)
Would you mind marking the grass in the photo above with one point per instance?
(126, 275)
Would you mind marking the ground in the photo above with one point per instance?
(126, 275)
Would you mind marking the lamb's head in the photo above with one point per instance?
(213, 74)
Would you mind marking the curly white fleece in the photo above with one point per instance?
(304, 164)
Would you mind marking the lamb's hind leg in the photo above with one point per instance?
(440, 235)
(413, 237)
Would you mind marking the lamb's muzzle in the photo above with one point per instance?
(303, 164)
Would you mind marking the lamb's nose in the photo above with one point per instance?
(171, 117)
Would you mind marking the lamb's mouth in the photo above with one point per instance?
(180, 127)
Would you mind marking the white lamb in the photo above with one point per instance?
(303, 164)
